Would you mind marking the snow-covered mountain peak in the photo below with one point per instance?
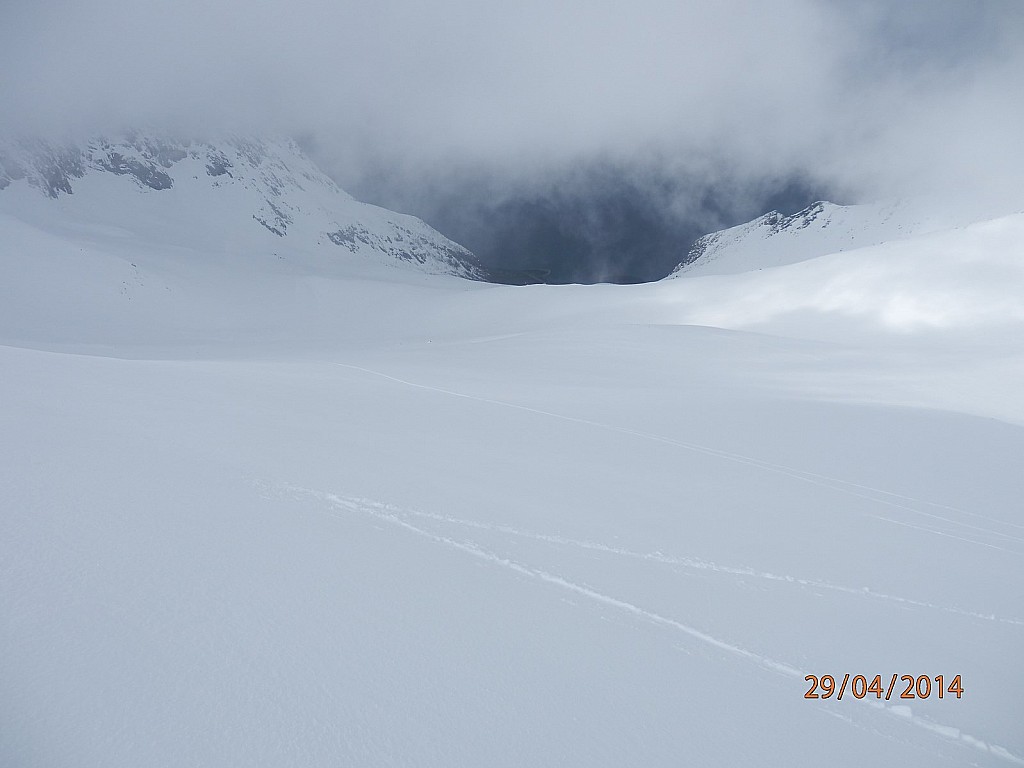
(235, 193)
(775, 239)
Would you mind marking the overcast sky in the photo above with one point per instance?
(425, 104)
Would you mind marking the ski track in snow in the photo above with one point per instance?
(857, 490)
(685, 562)
(382, 512)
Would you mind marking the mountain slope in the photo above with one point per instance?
(775, 239)
(296, 509)
(234, 195)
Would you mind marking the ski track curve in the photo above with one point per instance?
(856, 490)
(379, 512)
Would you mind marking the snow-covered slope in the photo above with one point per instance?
(261, 511)
(234, 195)
(775, 239)
(962, 280)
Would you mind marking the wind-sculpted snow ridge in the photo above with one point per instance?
(775, 239)
(234, 192)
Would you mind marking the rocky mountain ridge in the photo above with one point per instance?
(776, 239)
(257, 194)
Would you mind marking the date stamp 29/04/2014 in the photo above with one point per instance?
(860, 687)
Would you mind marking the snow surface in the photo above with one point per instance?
(774, 239)
(297, 511)
(235, 195)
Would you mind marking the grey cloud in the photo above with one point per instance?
(865, 98)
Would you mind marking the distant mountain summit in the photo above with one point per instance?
(233, 194)
(775, 239)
